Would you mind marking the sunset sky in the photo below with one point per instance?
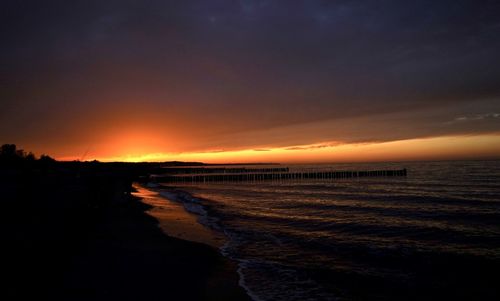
(235, 81)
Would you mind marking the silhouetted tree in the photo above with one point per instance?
(30, 157)
(20, 153)
(46, 158)
(11, 156)
(8, 150)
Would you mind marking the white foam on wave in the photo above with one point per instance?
(277, 282)
(194, 205)
(190, 204)
(243, 284)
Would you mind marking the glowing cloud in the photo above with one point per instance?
(440, 148)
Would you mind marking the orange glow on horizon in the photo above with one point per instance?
(140, 148)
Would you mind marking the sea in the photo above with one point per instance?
(431, 235)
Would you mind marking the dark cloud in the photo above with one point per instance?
(254, 65)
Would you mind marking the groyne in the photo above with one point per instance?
(265, 176)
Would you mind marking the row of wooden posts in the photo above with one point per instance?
(228, 177)
(221, 170)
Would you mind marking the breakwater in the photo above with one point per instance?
(221, 170)
(271, 175)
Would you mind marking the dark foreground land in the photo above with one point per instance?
(74, 232)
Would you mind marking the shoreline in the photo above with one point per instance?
(175, 221)
(78, 234)
(172, 222)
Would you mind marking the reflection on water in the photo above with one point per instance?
(433, 233)
(175, 221)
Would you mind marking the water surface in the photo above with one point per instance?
(433, 234)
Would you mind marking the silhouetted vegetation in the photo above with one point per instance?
(11, 156)
(75, 232)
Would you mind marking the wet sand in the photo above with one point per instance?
(75, 233)
(175, 221)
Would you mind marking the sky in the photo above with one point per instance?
(251, 80)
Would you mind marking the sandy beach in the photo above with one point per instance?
(74, 233)
(174, 220)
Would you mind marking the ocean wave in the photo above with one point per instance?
(193, 205)
(355, 239)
